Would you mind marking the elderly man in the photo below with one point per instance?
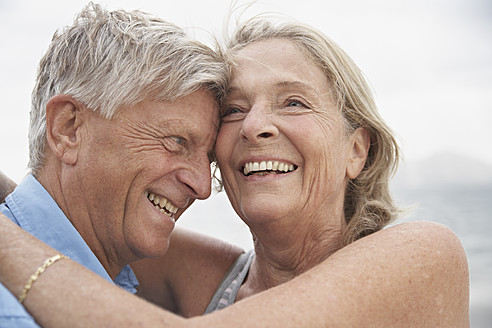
(123, 121)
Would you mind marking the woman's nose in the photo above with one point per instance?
(258, 125)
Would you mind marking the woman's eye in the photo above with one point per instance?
(232, 114)
(295, 103)
(230, 111)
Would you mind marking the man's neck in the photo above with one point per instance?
(72, 204)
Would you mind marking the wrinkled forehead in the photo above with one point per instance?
(270, 52)
(280, 62)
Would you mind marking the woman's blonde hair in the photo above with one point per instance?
(109, 59)
(368, 204)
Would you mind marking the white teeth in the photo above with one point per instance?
(163, 202)
(267, 166)
(164, 205)
(171, 208)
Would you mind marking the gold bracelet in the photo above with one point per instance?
(38, 272)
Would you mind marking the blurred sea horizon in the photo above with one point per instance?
(468, 212)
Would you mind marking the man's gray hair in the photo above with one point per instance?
(109, 59)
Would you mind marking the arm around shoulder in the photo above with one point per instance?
(409, 275)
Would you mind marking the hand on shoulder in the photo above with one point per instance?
(184, 280)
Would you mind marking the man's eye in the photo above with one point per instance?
(177, 139)
(173, 143)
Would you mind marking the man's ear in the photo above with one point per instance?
(360, 143)
(64, 116)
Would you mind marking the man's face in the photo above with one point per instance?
(140, 170)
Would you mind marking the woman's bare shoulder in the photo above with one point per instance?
(414, 235)
(413, 273)
(408, 275)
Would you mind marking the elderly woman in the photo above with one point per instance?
(305, 160)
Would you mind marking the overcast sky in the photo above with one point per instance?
(429, 62)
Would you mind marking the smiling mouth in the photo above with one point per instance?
(267, 167)
(162, 204)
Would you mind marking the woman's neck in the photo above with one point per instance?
(282, 256)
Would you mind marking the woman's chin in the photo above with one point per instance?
(263, 214)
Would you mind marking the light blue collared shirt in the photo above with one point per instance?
(32, 208)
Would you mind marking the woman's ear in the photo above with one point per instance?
(64, 116)
(360, 143)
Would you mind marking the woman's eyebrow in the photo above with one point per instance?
(283, 84)
(297, 85)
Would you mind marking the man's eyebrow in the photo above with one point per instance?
(232, 89)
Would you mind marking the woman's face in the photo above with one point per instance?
(282, 149)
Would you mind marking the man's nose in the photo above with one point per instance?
(197, 177)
